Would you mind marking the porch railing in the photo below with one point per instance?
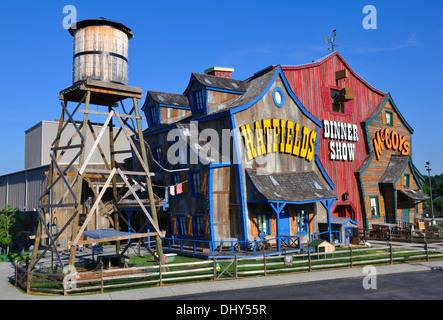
(196, 246)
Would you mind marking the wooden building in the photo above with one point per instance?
(352, 112)
(248, 166)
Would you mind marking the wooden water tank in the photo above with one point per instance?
(100, 51)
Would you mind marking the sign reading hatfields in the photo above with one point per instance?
(278, 135)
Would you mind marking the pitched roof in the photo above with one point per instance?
(414, 194)
(380, 107)
(290, 187)
(395, 168)
(169, 99)
(211, 81)
(201, 149)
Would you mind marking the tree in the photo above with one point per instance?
(11, 220)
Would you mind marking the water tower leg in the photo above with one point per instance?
(79, 191)
(46, 197)
(114, 184)
(148, 181)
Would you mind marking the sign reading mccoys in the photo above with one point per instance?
(392, 140)
(278, 135)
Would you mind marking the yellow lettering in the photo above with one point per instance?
(282, 135)
(276, 127)
(296, 149)
(261, 148)
(267, 131)
(289, 140)
(312, 139)
(247, 135)
(304, 147)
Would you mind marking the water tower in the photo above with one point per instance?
(100, 77)
(100, 50)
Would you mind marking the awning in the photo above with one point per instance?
(394, 170)
(339, 221)
(416, 195)
(292, 187)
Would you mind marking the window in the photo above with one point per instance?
(337, 105)
(389, 118)
(406, 178)
(195, 182)
(153, 115)
(175, 179)
(198, 222)
(198, 100)
(181, 225)
(158, 156)
(302, 222)
(279, 97)
(263, 224)
(375, 207)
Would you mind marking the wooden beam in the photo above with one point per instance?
(135, 236)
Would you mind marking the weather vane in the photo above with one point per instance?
(331, 40)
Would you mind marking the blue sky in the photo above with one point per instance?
(175, 38)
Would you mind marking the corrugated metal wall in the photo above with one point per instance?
(23, 189)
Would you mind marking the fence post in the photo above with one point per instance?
(391, 259)
(309, 258)
(214, 268)
(427, 252)
(235, 267)
(28, 282)
(350, 252)
(160, 271)
(101, 278)
(16, 272)
(264, 263)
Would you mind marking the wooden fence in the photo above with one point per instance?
(215, 269)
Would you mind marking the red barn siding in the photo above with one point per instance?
(307, 82)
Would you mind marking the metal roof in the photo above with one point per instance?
(99, 22)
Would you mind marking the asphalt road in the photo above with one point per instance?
(424, 285)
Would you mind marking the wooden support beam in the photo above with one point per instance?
(135, 236)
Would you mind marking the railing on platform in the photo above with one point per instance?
(196, 246)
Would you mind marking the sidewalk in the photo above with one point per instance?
(9, 292)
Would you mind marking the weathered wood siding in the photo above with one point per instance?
(311, 84)
(98, 52)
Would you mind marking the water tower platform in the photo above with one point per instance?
(105, 93)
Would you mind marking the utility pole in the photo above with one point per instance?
(428, 168)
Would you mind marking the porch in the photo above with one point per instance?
(232, 247)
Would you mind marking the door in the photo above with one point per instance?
(284, 224)
(405, 215)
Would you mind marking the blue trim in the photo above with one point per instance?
(225, 90)
(173, 107)
(282, 95)
(191, 183)
(267, 216)
(196, 107)
(210, 205)
(240, 182)
(219, 164)
(280, 73)
(323, 172)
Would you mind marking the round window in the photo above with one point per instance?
(279, 97)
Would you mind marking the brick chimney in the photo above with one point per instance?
(220, 72)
